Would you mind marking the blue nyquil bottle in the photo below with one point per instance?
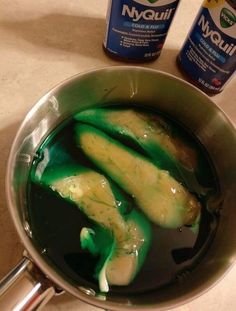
(208, 56)
(137, 29)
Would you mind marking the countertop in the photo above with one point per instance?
(43, 42)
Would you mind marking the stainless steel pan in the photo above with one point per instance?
(34, 281)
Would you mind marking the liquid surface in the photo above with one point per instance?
(56, 223)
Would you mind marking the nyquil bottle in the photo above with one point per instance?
(136, 29)
(208, 56)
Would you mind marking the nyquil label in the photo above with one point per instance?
(136, 29)
(216, 37)
(148, 15)
(209, 53)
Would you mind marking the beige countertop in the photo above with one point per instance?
(43, 42)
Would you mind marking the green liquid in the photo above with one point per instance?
(56, 223)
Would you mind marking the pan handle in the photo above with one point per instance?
(25, 288)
